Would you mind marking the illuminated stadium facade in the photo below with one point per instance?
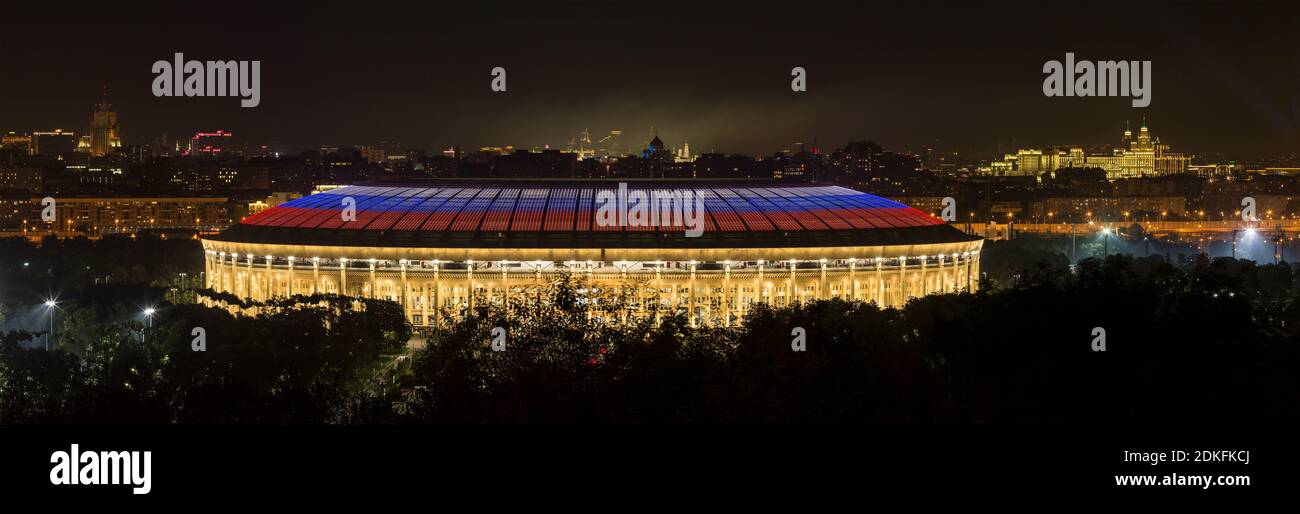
(447, 247)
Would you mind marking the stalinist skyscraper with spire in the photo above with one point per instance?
(1142, 156)
(104, 136)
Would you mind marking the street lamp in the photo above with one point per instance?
(1074, 250)
(1250, 231)
(50, 305)
(1105, 245)
(148, 315)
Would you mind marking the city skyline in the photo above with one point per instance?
(102, 137)
(694, 74)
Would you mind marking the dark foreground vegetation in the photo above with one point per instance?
(1213, 342)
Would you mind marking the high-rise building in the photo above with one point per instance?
(1144, 156)
(104, 135)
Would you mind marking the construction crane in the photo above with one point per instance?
(613, 136)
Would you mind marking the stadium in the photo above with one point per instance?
(446, 247)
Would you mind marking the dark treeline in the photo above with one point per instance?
(66, 267)
(292, 363)
(1199, 342)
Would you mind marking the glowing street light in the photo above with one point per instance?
(148, 315)
(50, 305)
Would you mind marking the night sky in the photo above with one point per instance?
(956, 76)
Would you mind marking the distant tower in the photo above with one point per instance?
(104, 135)
(1144, 142)
(1128, 134)
(684, 155)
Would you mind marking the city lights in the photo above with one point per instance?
(879, 221)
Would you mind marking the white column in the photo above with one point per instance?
(343, 276)
(880, 282)
(853, 280)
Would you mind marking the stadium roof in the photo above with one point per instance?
(562, 214)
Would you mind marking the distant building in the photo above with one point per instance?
(716, 165)
(275, 199)
(100, 215)
(1110, 209)
(857, 158)
(54, 144)
(657, 150)
(215, 178)
(30, 180)
(546, 163)
(104, 135)
(21, 143)
(209, 144)
(684, 154)
(1144, 156)
(372, 155)
(231, 178)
